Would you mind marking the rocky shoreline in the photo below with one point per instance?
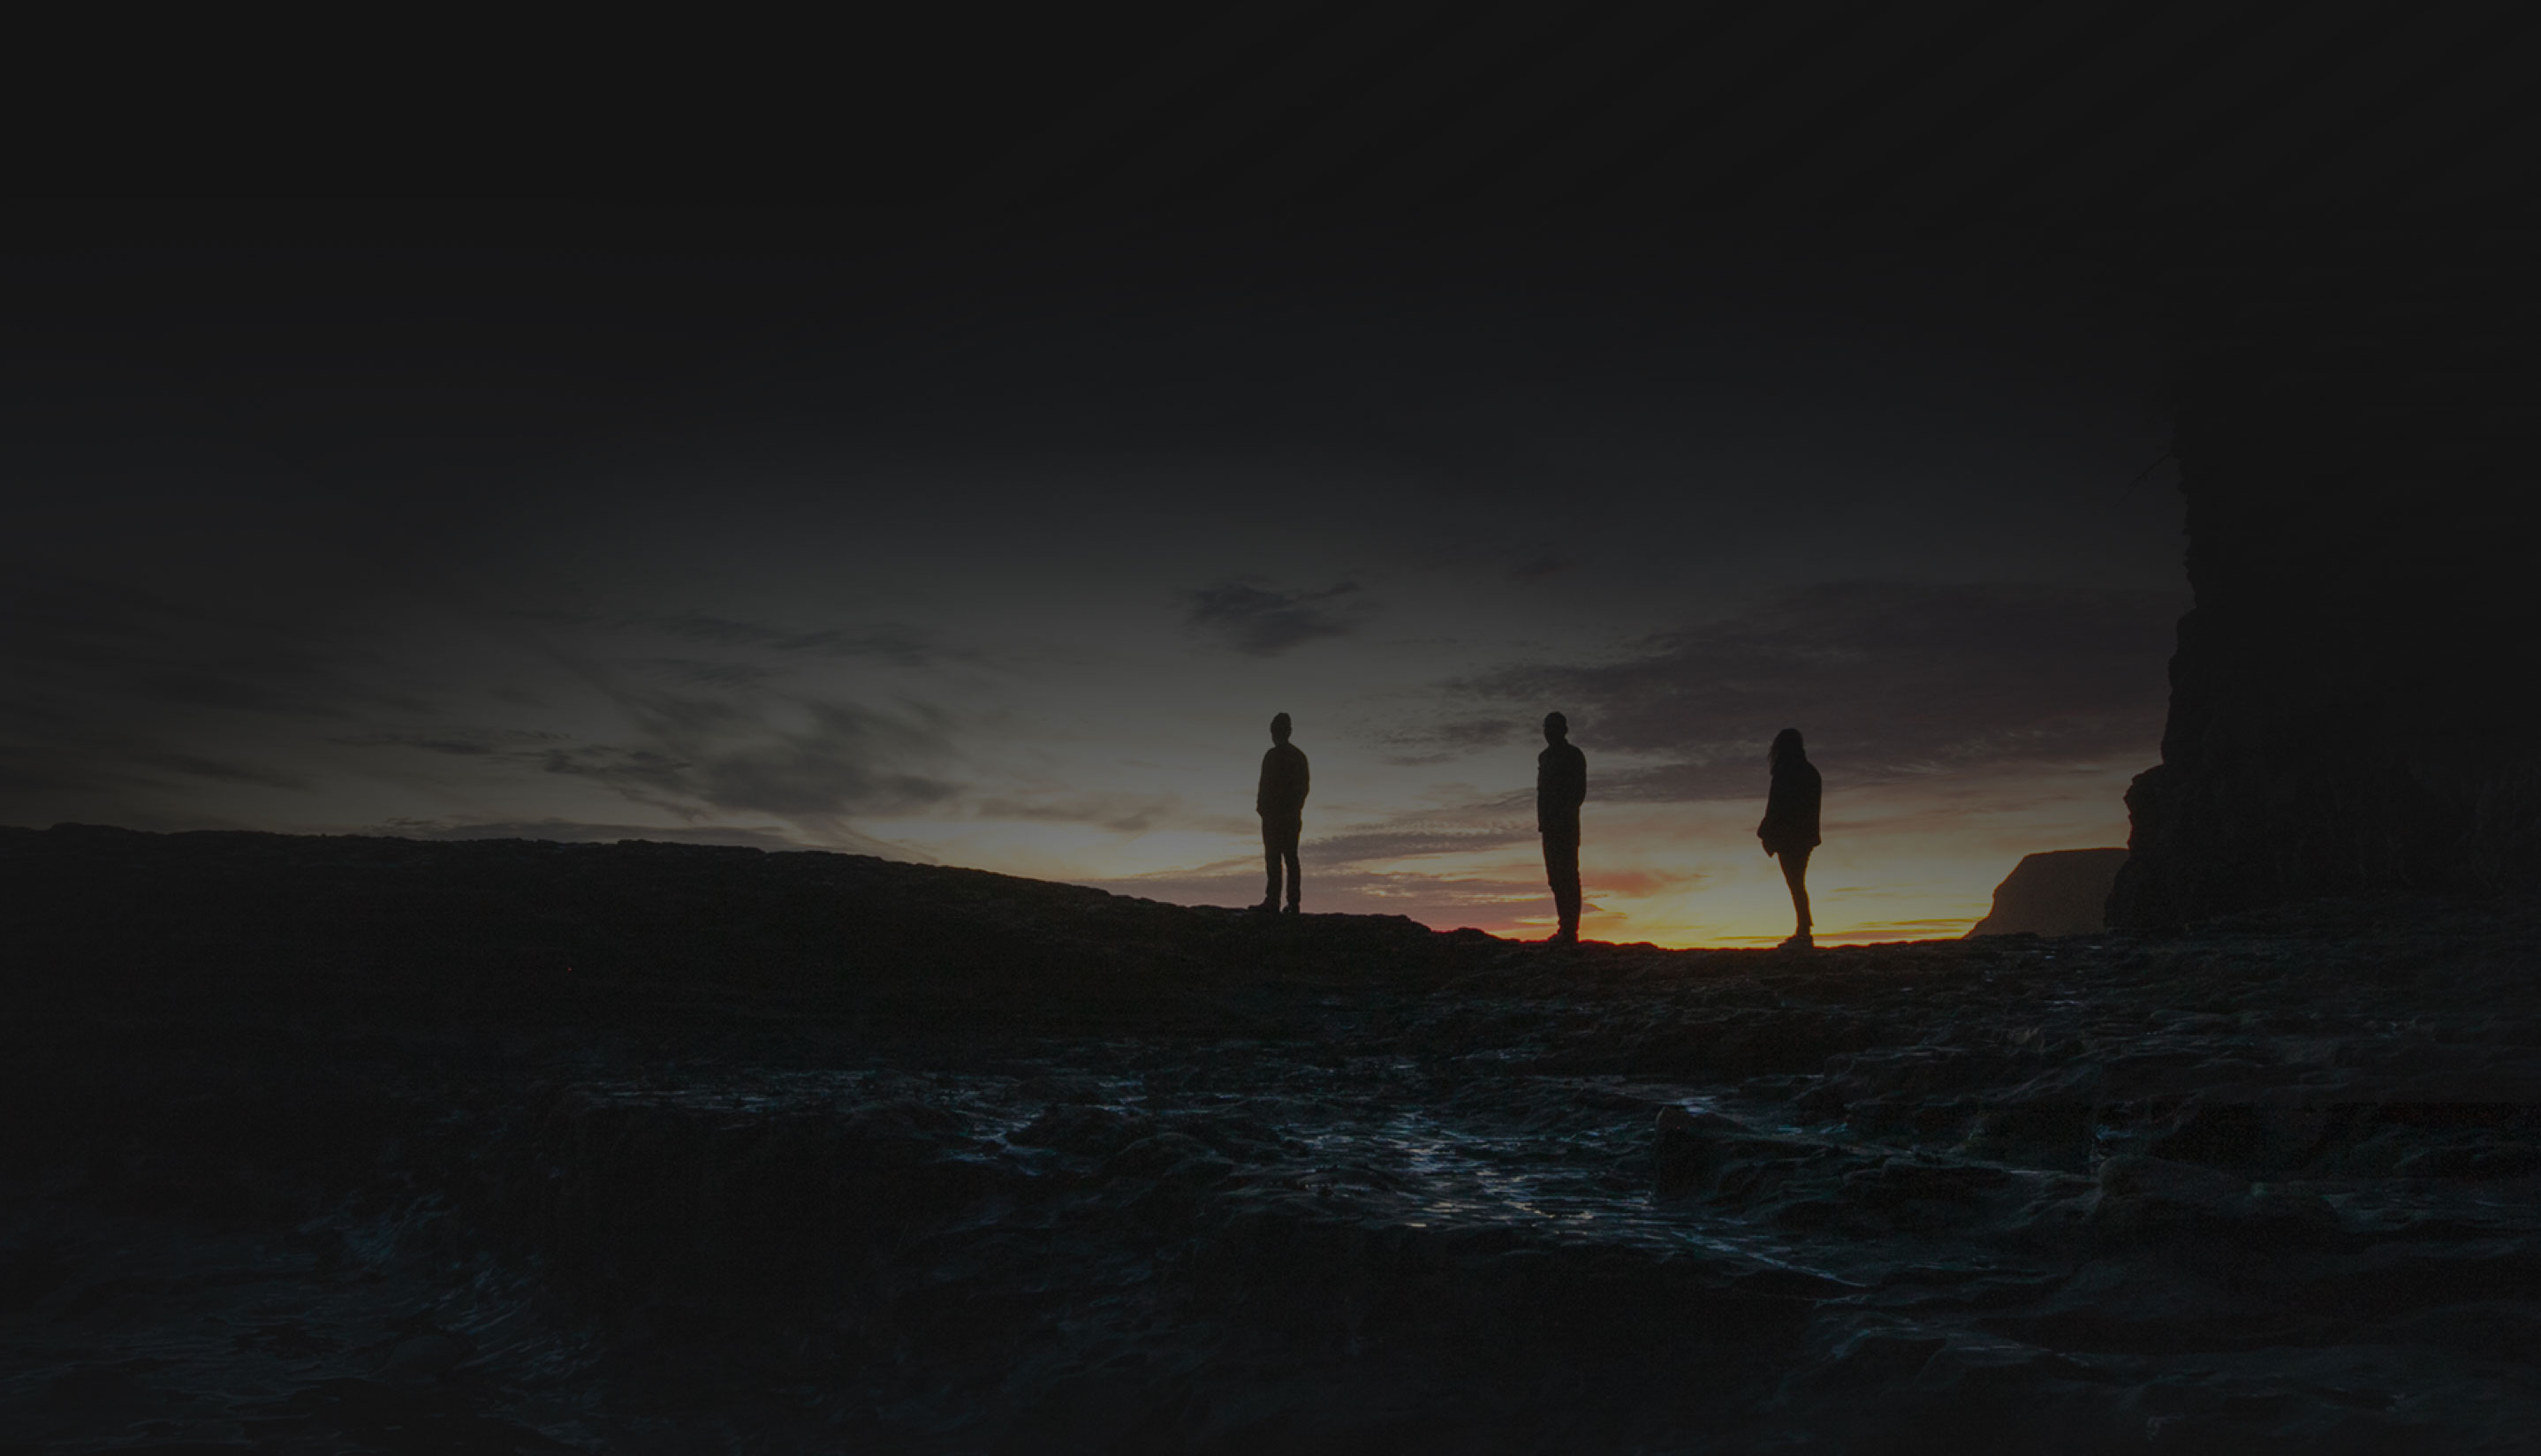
(351, 1144)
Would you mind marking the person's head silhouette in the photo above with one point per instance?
(1786, 748)
(1555, 728)
(1279, 728)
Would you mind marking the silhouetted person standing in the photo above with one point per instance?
(1790, 827)
(1281, 803)
(1561, 787)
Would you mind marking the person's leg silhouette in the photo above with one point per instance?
(1562, 871)
(1795, 869)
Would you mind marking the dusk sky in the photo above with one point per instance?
(1001, 550)
(1410, 369)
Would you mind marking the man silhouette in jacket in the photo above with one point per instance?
(1561, 787)
(1281, 802)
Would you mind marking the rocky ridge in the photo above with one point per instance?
(651, 1148)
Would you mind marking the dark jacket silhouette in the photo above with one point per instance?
(1281, 800)
(1284, 782)
(1790, 824)
(1561, 787)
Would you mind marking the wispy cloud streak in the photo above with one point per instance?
(1886, 679)
(1262, 621)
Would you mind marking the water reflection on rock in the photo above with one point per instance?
(1171, 1179)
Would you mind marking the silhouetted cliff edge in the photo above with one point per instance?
(2060, 891)
(2356, 443)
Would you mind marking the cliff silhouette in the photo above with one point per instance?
(2057, 892)
(2355, 442)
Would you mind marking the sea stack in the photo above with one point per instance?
(2062, 892)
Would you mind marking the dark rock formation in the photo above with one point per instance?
(2061, 892)
(2357, 441)
(374, 1145)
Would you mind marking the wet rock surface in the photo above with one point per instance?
(320, 1145)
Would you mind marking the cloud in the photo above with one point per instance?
(1887, 679)
(75, 645)
(1385, 846)
(702, 755)
(902, 645)
(196, 766)
(464, 742)
(1433, 899)
(1129, 814)
(583, 832)
(809, 761)
(708, 674)
(1439, 742)
(1260, 622)
(647, 777)
(578, 832)
(1946, 927)
(273, 684)
(1638, 884)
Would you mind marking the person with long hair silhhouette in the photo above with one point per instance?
(1790, 827)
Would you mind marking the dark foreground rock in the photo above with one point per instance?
(369, 1146)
